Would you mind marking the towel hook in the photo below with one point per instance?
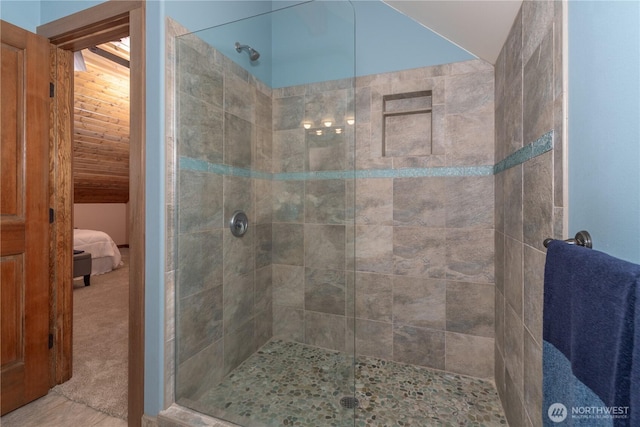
(582, 238)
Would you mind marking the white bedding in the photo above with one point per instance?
(105, 255)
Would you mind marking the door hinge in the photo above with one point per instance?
(51, 215)
(50, 341)
(52, 90)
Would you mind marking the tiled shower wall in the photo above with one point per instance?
(424, 252)
(424, 278)
(223, 282)
(312, 194)
(529, 200)
(424, 224)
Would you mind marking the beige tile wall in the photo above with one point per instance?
(424, 246)
(528, 199)
(311, 256)
(222, 283)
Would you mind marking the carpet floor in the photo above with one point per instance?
(100, 342)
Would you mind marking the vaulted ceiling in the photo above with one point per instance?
(478, 26)
(101, 126)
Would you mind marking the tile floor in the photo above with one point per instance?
(291, 384)
(55, 410)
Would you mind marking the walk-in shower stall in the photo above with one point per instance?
(333, 235)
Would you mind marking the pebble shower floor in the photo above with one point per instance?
(292, 384)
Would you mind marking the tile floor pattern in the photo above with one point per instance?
(291, 384)
(55, 410)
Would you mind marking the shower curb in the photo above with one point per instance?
(179, 416)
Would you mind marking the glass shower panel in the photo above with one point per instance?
(265, 331)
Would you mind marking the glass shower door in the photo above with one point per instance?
(265, 129)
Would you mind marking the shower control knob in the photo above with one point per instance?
(239, 223)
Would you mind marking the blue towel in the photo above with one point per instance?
(592, 319)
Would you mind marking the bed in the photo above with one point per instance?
(105, 255)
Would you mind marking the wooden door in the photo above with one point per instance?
(24, 220)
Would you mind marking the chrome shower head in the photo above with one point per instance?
(253, 54)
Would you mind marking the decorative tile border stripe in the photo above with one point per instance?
(203, 166)
(313, 175)
(193, 165)
(536, 148)
(385, 173)
(426, 172)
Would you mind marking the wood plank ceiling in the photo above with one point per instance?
(101, 127)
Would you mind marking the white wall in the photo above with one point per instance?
(108, 217)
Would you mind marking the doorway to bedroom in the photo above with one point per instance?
(102, 23)
(101, 110)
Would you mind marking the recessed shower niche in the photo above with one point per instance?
(407, 124)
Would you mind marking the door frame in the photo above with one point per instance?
(99, 24)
